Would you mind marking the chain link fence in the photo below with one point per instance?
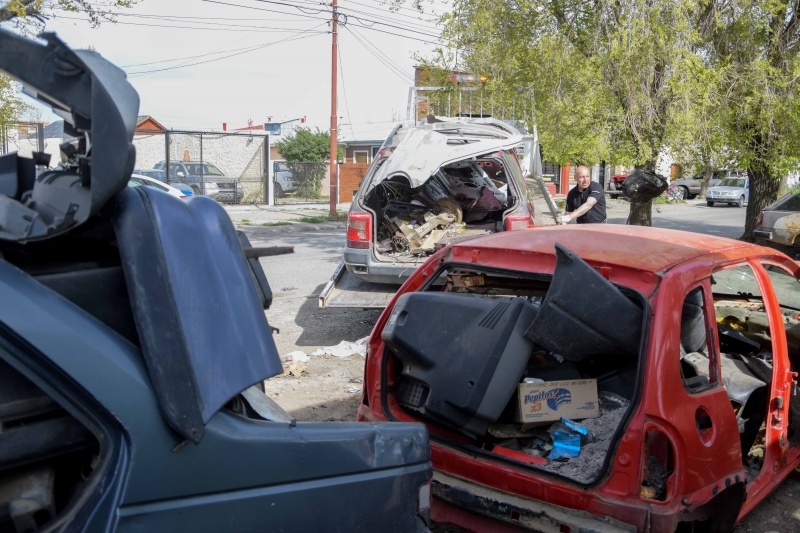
(230, 167)
(297, 182)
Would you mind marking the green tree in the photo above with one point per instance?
(755, 43)
(11, 108)
(26, 13)
(29, 16)
(700, 138)
(603, 70)
(305, 153)
(305, 146)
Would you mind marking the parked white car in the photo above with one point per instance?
(732, 191)
(137, 180)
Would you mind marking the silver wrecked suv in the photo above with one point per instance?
(429, 185)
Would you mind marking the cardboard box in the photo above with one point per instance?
(549, 401)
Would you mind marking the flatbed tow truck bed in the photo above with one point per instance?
(346, 290)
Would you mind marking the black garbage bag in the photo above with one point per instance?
(641, 186)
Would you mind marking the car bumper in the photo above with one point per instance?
(459, 494)
(763, 233)
(363, 264)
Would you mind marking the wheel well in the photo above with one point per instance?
(717, 515)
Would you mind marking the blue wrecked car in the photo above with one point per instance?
(134, 346)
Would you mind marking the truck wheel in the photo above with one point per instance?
(710, 203)
(740, 203)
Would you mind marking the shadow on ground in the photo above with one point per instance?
(328, 327)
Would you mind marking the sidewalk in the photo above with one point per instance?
(283, 218)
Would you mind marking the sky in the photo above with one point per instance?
(197, 64)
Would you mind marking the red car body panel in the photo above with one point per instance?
(662, 265)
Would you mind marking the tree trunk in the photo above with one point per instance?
(763, 191)
(707, 173)
(640, 214)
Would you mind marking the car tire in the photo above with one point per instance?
(196, 190)
(612, 186)
(685, 195)
(710, 203)
(278, 190)
(740, 203)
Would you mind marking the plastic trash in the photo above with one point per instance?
(568, 437)
(299, 356)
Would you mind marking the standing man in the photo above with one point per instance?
(586, 202)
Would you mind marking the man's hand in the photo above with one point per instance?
(564, 219)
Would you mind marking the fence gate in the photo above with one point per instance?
(301, 183)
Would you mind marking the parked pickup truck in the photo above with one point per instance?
(205, 179)
(134, 349)
(646, 385)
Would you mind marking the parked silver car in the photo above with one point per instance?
(780, 221)
(733, 191)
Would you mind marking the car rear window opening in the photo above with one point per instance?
(520, 365)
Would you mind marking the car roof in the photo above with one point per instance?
(656, 249)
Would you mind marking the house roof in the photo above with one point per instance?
(149, 123)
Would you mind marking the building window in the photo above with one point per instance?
(360, 156)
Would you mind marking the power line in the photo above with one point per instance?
(231, 27)
(382, 16)
(267, 9)
(290, 38)
(344, 90)
(394, 69)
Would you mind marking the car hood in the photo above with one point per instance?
(418, 152)
(99, 107)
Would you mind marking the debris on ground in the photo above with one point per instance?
(297, 355)
(345, 349)
(295, 368)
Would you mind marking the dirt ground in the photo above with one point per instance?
(325, 388)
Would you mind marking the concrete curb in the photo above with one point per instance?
(292, 227)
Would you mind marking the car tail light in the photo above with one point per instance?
(518, 221)
(760, 219)
(359, 230)
(184, 196)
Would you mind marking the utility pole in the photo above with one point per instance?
(334, 53)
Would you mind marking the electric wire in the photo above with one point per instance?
(301, 35)
(344, 90)
(366, 43)
(393, 68)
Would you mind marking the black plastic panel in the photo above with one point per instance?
(462, 355)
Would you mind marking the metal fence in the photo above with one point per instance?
(297, 183)
(231, 167)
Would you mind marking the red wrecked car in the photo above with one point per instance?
(595, 378)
